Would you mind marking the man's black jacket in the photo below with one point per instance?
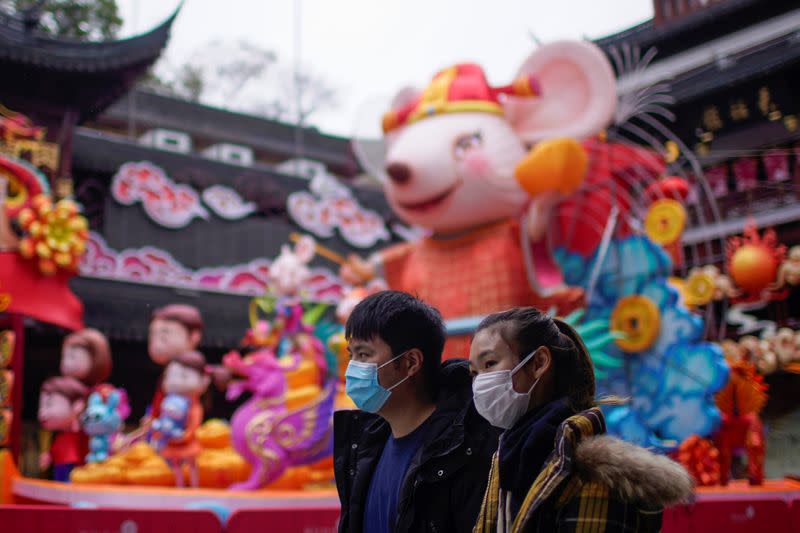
(444, 486)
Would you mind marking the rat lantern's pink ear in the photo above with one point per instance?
(370, 152)
(405, 97)
(578, 93)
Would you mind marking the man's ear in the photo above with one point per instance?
(414, 360)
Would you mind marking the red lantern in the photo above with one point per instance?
(753, 260)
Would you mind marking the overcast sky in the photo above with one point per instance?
(368, 49)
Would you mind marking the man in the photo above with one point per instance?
(416, 456)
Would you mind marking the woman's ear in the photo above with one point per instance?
(542, 361)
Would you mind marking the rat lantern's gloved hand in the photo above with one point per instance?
(556, 165)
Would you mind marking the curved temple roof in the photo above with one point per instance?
(23, 45)
(52, 76)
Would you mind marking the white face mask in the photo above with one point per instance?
(495, 397)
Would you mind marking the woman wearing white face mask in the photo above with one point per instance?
(555, 470)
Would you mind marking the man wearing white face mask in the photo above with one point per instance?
(555, 470)
(415, 457)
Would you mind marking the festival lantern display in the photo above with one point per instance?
(600, 229)
(290, 375)
(666, 217)
(789, 271)
(740, 402)
(540, 201)
(753, 259)
(55, 234)
(464, 157)
(701, 459)
(47, 254)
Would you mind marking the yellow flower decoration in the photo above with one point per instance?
(56, 235)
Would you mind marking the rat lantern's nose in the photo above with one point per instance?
(399, 173)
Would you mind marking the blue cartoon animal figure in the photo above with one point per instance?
(100, 420)
(172, 422)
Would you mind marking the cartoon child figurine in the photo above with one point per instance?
(86, 356)
(172, 422)
(174, 329)
(185, 376)
(61, 402)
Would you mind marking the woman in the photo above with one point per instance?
(555, 470)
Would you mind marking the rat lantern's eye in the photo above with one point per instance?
(465, 143)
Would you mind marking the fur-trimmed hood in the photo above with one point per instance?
(635, 474)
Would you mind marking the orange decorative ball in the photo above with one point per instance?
(753, 267)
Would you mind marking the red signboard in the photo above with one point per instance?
(284, 520)
(730, 516)
(776, 163)
(47, 519)
(717, 178)
(794, 511)
(745, 170)
(676, 520)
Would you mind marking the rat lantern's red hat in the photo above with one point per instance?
(458, 89)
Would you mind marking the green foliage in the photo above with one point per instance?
(188, 83)
(89, 20)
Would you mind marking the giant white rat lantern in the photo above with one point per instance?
(482, 168)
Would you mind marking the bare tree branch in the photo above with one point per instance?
(248, 78)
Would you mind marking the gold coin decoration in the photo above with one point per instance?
(699, 289)
(672, 151)
(639, 320)
(665, 221)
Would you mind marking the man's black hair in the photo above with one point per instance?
(403, 322)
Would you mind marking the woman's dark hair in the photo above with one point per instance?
(526, 329)
(403, 322)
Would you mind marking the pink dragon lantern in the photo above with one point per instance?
(268, 435)
(488, 172)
